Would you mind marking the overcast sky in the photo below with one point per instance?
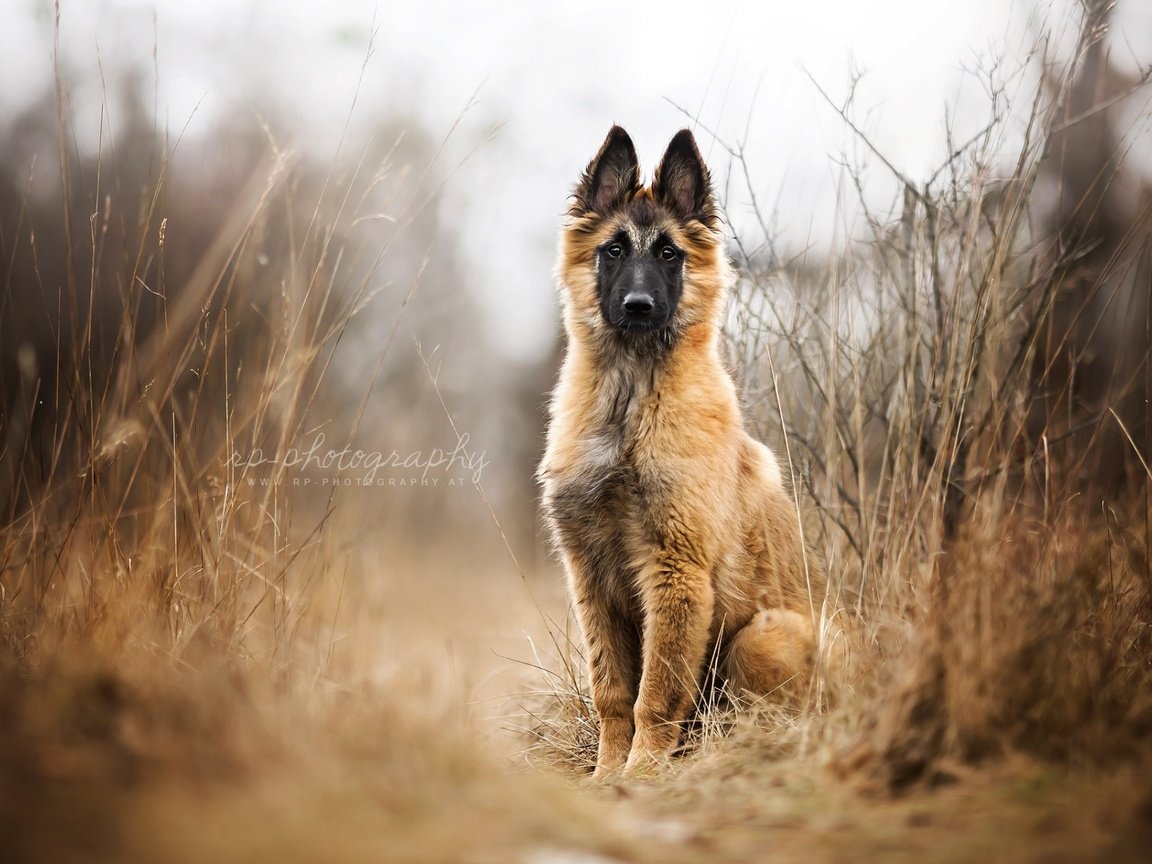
(556, 76)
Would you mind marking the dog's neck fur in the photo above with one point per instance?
(627, 379)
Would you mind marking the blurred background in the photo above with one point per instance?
(486, 114)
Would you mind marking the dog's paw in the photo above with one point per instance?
(641, 763)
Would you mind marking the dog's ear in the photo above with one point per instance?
(611, 176)
(682, 183)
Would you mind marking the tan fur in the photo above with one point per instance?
(676, 532)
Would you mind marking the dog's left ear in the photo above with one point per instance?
(682, 182)
(611, 176)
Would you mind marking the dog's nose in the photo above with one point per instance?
(638, 303)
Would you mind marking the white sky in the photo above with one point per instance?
(557, 76)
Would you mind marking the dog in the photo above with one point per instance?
(679, 538)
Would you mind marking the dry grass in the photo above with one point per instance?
(195, 667)
(992, 576)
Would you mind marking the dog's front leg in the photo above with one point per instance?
(612, 643)
(678, 603)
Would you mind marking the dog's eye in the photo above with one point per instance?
(615, 250)
(669, 252)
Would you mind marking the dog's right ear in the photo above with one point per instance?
(611, 176)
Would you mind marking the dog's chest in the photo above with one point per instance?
(596, 514)
(601, 478)
(598, 503)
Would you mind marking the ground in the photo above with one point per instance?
(105, 763)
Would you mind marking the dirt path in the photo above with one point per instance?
(107, 760)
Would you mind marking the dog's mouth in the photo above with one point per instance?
(647, 334)
(640, 325)
(649, 321)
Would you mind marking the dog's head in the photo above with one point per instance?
(644, 265)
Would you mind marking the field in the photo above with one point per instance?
(238, 622)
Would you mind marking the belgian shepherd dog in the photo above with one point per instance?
(680, 541)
